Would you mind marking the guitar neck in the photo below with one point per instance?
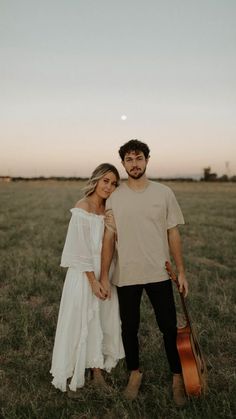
(174, 277)
(184, 306)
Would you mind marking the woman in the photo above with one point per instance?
(88, 330)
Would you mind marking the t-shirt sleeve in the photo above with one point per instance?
(77, 250)
(174, 213)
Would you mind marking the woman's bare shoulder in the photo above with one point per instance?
(83, 204)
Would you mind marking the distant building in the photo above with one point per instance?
(208, 176)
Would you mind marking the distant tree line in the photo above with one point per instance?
(74, 178)
(60, 178)
(208, 176)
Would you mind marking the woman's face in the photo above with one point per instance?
(106, 185)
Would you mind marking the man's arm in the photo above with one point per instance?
(108, 247)
(176, 251)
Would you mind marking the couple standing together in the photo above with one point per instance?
(111, 260)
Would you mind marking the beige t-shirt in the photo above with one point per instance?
(142, 220)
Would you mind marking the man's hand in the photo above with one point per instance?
(183, 284)
(106, 285)
(176, 251)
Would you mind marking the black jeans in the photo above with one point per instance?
(161, 297)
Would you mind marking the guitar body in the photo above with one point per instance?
(192, 363)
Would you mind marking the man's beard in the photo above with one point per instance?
(139, 174)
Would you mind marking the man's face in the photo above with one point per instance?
(135, 164)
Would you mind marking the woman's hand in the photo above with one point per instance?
(110, 221)
(97, 289)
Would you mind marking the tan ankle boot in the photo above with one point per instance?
(178, 390)
(73, 394)
(132, 388)
(98, 380)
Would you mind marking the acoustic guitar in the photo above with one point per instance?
(192, 361)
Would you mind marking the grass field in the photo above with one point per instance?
(33, 224)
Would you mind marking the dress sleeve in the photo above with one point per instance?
(77, 250)
(174, 213)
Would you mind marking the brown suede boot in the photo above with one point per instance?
(132, 388)
(70, 393)
(179, 395)
(98, 380)
(73, 394)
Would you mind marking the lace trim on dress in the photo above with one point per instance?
(86, 213)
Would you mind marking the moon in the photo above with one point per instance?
(123, 117)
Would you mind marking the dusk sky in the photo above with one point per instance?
(70, 70)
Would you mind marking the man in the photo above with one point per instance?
(146, 216)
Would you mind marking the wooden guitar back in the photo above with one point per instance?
(192, 361)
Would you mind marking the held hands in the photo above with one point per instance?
(106, 286)
(98, 289)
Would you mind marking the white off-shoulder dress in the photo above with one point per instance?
(88, 333)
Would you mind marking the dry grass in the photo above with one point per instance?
(33, 224)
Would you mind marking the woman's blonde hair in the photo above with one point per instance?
(97, 174)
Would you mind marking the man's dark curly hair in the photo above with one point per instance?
(134, 145)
